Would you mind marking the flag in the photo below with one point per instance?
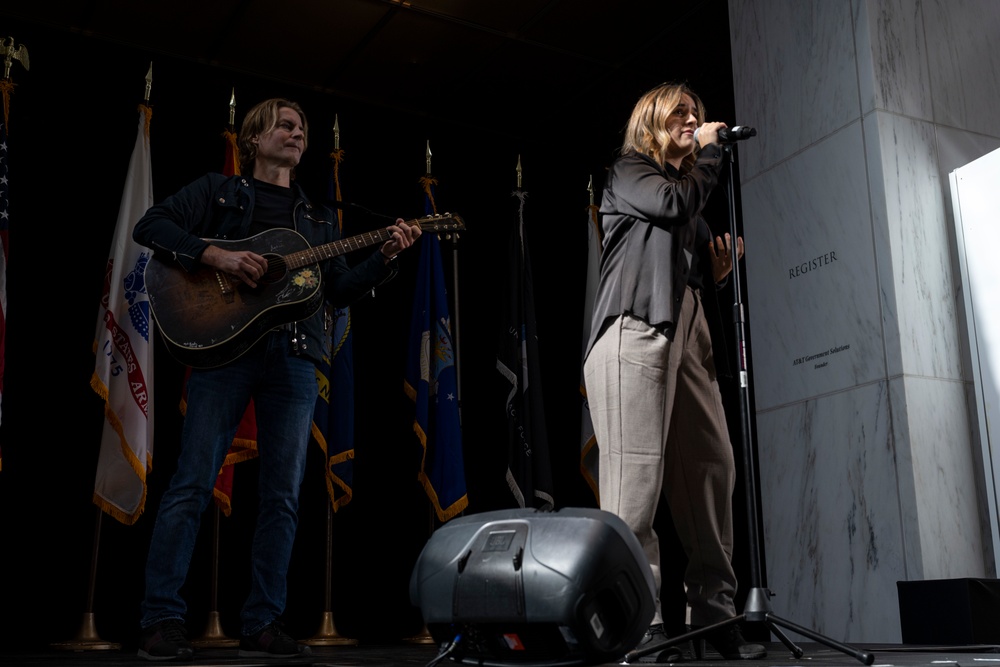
(529, 470)
(244, 445)
(333, 418)
(431, 382)
(5, 88)
(588, 441)
(123, 372)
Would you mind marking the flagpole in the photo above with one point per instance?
(424, 635)
(214, 636)
(10, 53)
(86, 637)
(455, 336)
(588, 442)
(327, 634)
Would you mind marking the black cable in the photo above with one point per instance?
(446, 651)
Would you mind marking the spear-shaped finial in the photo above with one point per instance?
(232, 108)
(428, 156)
(336, 133)
(149, 82)
(590, 189)
(519, 171)
(12, 53)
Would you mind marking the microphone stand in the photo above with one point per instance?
(758, 604)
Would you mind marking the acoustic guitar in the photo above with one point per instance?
(208, 317)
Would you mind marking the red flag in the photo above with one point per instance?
(244, 446)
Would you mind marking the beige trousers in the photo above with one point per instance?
(661, 429)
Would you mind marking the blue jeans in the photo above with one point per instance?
(284, 390)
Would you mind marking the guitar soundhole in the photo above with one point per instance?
(276, 269)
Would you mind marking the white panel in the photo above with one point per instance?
(977, 228)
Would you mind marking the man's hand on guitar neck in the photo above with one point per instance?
(403, 236)
(245, 265)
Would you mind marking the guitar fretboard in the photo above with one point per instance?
(437, 223)
(326, 251)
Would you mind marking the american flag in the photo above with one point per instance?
(4, 221)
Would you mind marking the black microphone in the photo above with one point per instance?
(729, 135)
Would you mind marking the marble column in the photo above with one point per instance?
(870, 465)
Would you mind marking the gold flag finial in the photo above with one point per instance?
(590, 189)
(428, 156)
(519, 171)
(149, 82)
(12, 53)
(232, 108)
(336, 132)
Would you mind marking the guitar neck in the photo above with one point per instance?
(433, 223)
(334, 248)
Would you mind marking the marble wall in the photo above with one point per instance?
(868, 454)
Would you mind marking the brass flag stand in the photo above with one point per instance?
(86, 638)
(214, 637)
(424, 636)
(327, 634)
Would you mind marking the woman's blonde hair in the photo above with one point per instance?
(646, 131)
(260, 120)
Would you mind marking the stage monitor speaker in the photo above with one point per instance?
(531, 588)
(951, 612)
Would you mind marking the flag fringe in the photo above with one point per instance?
(250, 451)
(98, 386)
(409, 391)
(427, 183)
(223, 501)
(334, 480)
(443, 514)
(515, 489)
(137, 467)
(123, 517)
(6, 88)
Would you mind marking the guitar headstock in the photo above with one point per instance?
(446, 222)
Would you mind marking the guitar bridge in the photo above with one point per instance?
(225, 287)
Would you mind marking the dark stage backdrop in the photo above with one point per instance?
(71, 132)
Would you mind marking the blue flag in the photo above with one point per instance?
(333, 418)
(431, 382)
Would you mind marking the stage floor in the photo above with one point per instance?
(392, 655)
